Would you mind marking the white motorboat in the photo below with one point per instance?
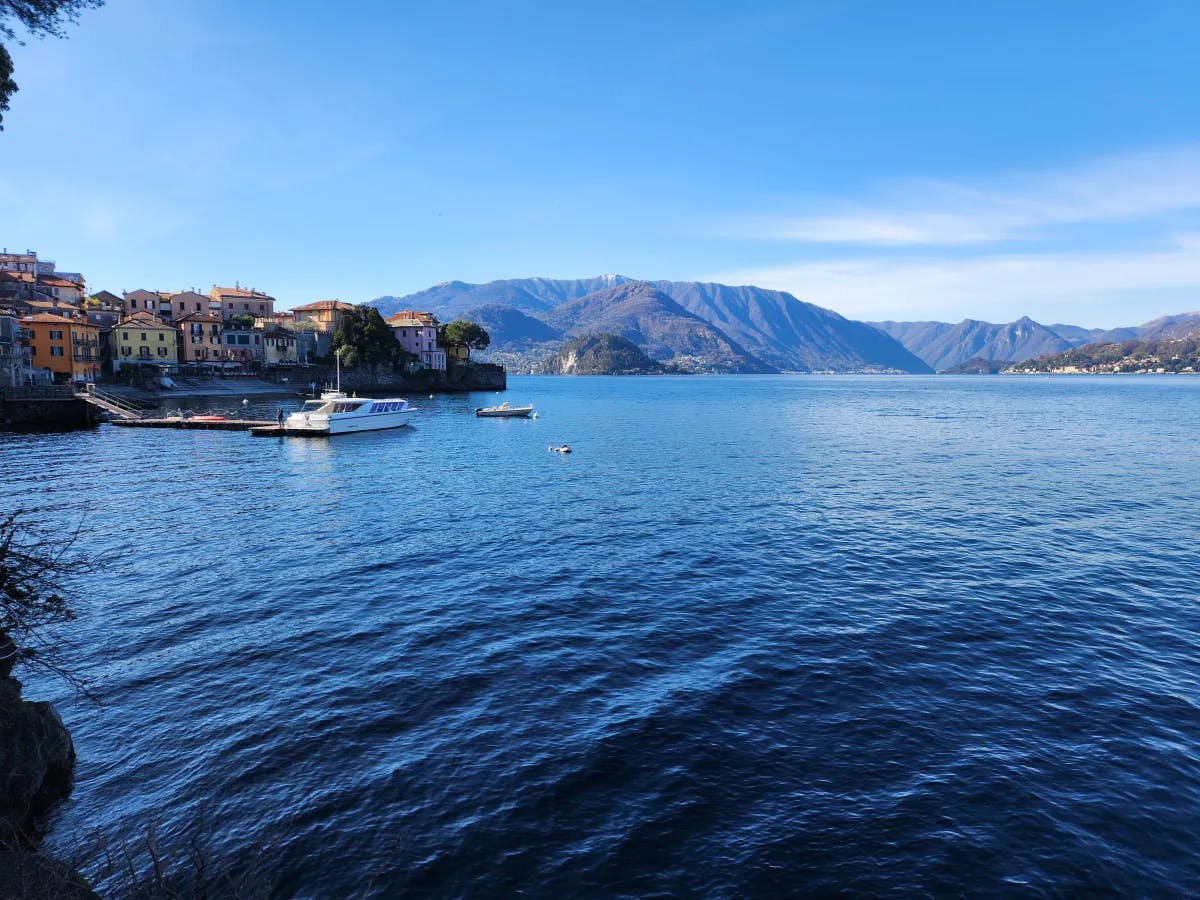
(504, 410)
(335, 413)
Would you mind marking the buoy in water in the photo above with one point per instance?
(245, 403)
(563, 449)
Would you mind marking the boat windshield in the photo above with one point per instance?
(311, 406)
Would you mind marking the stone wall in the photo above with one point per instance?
(471, 377)
(46, 415)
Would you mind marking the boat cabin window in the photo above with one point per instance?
(347, 407)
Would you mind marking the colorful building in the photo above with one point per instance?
(279, 347)
(200, 339)
(70, 348)
(323, 315)
(241, 344)
(142, 339)
(25, 277)
(416, 332)
(240, 301)
(186, 302)
(142, 300)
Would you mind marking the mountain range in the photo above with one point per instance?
(703, 326)
(695, 326)
(945, 346)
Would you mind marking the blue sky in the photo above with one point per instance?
(924, 160)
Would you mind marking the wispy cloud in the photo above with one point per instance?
(1132, 187)
(1090, 288)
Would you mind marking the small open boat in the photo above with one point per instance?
(504, 410)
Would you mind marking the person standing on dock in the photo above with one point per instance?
(279, 416)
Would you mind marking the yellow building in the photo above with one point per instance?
(279, 347)
(323, 315)
(141, 339)
(70, 348)
(200, 338)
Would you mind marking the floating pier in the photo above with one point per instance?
(198, 423)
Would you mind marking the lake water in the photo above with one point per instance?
(756, 635)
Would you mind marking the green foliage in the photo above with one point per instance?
(40, 18)
(8, 87)
(461, 331)
(601, 354)
(363, 338)
(33, 566)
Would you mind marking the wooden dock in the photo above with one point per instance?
(194, 423)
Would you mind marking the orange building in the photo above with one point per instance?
(323, 315)
(199, 338)
(70, 348)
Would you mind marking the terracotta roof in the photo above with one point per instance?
(143, 319)
(411, 317)
(197, 317)
(56, 320)
(50, 304)
(240, 292)
(55, 281)
(16, 276)
(323, 305)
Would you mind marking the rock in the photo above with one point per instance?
(37, 764)
(37, 760)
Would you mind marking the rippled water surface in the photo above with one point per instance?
(755, 635)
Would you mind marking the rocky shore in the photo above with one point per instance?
(37, 765)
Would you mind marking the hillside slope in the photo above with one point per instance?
(789, 333)
(653, 321)
(599, 354)
(944, 346)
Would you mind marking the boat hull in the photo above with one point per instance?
(370, 415)
(516, 412)
(378, 422)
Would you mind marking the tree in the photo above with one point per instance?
(40, 18)
(364, 338)
(8, 87)
(33, 567)
(461, 331)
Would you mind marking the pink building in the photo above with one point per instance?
(417, 333)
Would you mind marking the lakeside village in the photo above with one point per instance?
(57, 339)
